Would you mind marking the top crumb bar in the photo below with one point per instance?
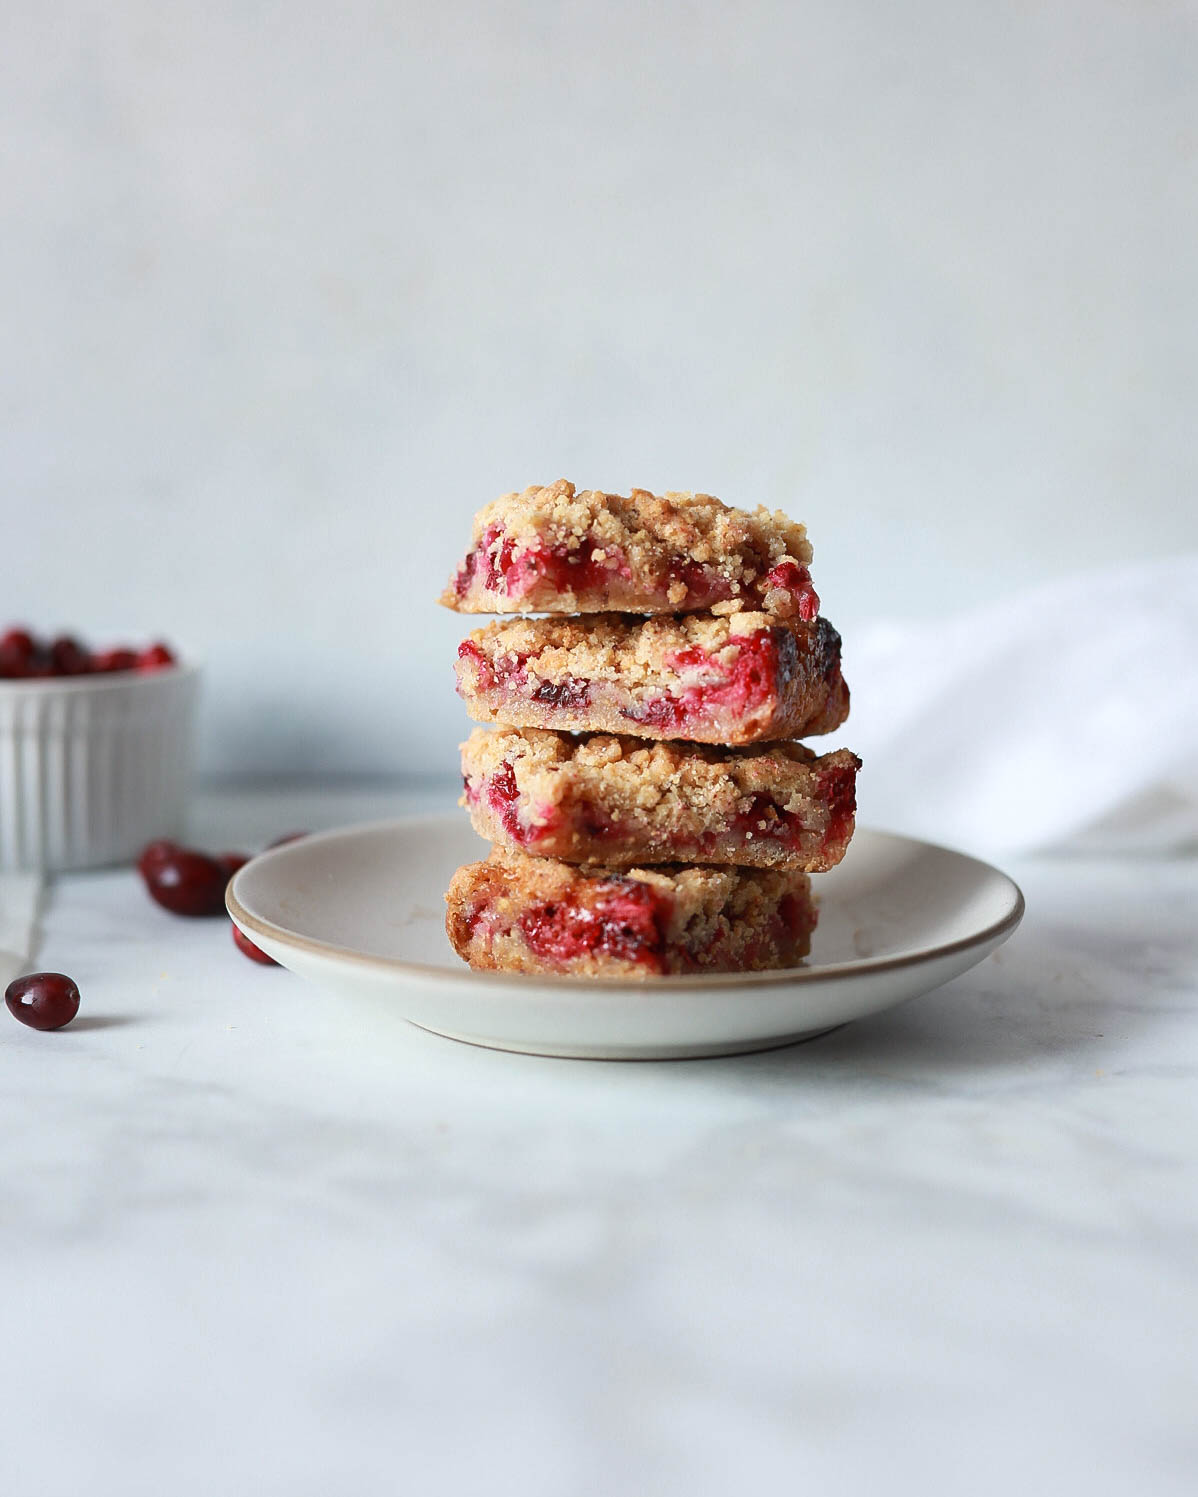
(558, 550)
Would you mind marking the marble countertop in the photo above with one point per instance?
(953, 1248)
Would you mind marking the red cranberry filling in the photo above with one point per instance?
(796, 580)
(486, 679)
(626, 923)
(765, 820)
(797, 917)
(494, 565)
(704, 585)
(570, 691)
(503, 795)
(746, 686)
(839, 788)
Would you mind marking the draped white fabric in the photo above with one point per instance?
(1063, 717)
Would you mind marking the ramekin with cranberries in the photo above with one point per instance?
(95, 750)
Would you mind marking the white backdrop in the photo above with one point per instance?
(289, 291)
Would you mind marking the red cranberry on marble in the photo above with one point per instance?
(156, 852)
(43, 1000)
(247, 948)
(182, 880)
(156, 658)
(232, 861)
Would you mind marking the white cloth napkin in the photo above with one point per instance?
(20, 900)
(1064, 717)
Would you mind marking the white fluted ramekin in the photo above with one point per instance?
(94, 767)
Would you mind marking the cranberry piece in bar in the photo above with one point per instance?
(738, 679)
(559, 550)
(514, 913)
(43, 1000)
(622, 801)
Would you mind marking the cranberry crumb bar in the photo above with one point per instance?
(556, 550)
(618, 801)
(736, 679)
(515, 913)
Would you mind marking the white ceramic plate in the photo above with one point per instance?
(360, 912)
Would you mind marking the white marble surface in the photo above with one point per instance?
(951, 1249)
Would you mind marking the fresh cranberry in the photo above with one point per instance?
(155, 658)
(182, 880)
(247, 948)
(22, 657)
(232, 861)
(120, 659)
(43, 1000)
(15, 666)
(157, 852)
(18, 643)
(69, 658)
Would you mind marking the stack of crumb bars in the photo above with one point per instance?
(649, 808)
